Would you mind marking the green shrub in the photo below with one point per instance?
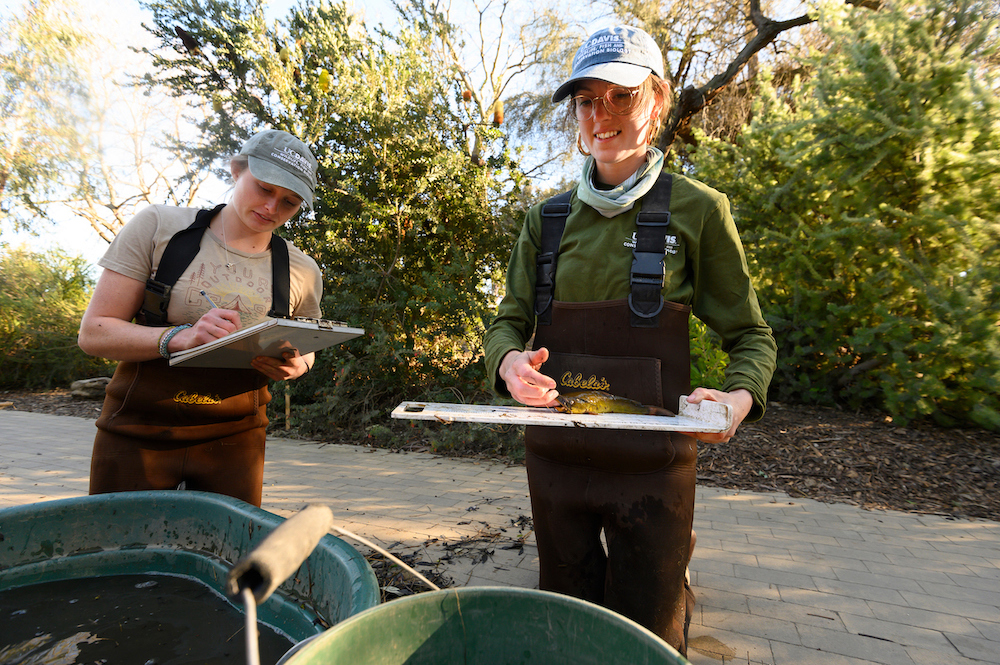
(43, 297)
(708, 360)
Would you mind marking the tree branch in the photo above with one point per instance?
(693, 99)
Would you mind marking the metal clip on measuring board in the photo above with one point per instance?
(325, 324)
(702, 417)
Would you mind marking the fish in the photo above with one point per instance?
(597, 401)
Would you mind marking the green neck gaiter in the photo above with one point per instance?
(612, 202)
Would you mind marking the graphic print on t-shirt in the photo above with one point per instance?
(244, 288)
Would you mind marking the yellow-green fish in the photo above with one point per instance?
(598, 401)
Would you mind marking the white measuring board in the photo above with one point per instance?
(703, 417)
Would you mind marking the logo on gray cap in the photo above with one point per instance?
(292, 158)
(279, 158)
(621, 55)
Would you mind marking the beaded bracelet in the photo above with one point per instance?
(169, 335)
(159, 342)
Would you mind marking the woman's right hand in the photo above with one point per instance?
(107, 330)
(213, 324)
(519, 370)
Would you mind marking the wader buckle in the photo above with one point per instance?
(546, 264)
(154, 304)
(556, 210)
(646, 278)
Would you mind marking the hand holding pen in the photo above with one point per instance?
(216, 322)
(213, 324)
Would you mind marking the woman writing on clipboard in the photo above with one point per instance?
(175, 278)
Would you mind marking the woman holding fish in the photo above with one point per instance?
(605, 278)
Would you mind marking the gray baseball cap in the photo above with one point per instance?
(621, 55)
(278, 158)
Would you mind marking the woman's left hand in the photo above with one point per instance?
(741, 402)
(290, 366)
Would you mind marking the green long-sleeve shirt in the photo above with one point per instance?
(705, 265)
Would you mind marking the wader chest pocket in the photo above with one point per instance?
(636, 378)
(151, 400)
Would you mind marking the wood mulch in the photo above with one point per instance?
(861, 459)
(808, 452)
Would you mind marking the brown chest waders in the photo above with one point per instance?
(162, 425)
(636, 486)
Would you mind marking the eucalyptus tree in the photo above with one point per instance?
(78, 142)
(43, 137)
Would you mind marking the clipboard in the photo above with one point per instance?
(270, 337)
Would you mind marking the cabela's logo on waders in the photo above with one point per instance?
(183, 397)
(571, 380)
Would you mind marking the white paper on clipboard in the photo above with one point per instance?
(702, 417)
(270, 337)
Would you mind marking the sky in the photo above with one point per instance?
(123, 18)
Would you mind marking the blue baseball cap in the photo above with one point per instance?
(621, 55)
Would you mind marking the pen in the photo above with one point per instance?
(202, 292)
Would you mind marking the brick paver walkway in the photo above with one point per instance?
(780, 581)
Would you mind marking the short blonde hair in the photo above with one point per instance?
(659, 88)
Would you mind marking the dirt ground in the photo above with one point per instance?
(809, 452)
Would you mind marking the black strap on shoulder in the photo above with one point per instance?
(280, 278)
(646, 279)
(179, 254)
(554, 214)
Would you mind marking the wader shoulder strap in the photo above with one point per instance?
(646, 279)
(178, 255)
(280, 278)
(180, 251)
(554, 214)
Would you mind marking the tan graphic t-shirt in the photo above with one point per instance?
(244, 287)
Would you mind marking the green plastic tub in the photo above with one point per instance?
(196, 534)
(486, 626)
